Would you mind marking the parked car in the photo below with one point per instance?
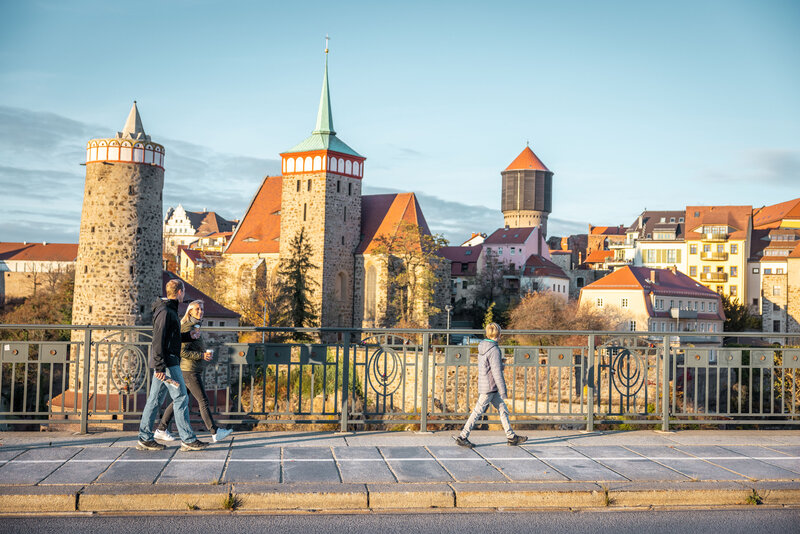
(470, 340)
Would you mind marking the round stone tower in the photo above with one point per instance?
(527, 197)
(118, 273)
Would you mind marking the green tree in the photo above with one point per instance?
(414, 268)
(737, 316)
(297, 286)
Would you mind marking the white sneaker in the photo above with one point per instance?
(221, 434)
(164, 435)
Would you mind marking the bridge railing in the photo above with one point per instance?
(77, 376)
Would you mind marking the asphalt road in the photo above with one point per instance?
(730, 521)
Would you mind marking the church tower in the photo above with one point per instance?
(527, 195)
(118, 270)
(321, 193)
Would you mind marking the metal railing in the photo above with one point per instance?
(376, 378)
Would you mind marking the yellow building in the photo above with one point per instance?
(718, 246)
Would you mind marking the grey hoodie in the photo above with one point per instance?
(490, 369)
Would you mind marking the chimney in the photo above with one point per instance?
(44, 243)
(654, 276)
(674, 269)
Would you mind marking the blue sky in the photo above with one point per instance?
(633, 105)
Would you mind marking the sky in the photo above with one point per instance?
(633, 105)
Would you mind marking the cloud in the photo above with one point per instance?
(42, 182)
(776, 166)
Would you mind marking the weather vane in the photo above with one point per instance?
(326, 43)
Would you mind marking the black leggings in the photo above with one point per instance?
(194, 383)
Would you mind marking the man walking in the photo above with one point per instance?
(167, 376)
(491, 388)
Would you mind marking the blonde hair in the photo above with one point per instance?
(192, 305)
(493, 330)
(173, 287)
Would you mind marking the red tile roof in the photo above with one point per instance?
(381, 214)
(212, 307)
(194, 255)
(511, 236)
(38, 252)
(260, 229)
(599, 256)
(462, 255)
(667, 282)
(771, 216)
(527, 160)
(536, 265)
(796, 252)
(607, 230)
(736, 217)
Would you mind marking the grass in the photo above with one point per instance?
(754, 498)
(231, 502)
(214, 482)
(608, 500)
(190, 506)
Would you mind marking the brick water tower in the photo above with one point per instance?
(527, 196)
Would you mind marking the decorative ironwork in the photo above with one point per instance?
(627, 372)
(128, 369)
(384, 371)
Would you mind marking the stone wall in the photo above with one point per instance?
(118, 270)
(774, 306)
(793, 295)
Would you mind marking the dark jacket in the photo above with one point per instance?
(167, 336)
(192, 351)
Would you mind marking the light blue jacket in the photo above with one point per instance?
(490, 369)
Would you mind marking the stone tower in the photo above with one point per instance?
(118, 270)
(321, 193)
(527, 197)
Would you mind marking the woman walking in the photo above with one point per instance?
(193, 358)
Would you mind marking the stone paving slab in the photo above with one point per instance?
(254, 465)
(35, 465)
(748, 467)
(414, 464)
(681, 462)
(573, 464)
(517, 464)
(629, 464)
(136, 467)
(196, 467)
(735, 437)
(288, 439)
(769, 456)
(84, 467)
(362, 465)
(466, 465)
(321, 469)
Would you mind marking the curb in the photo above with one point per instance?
(386, 497)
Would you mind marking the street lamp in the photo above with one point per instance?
(448, 308)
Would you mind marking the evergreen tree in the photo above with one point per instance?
(737, 316)
(297, 287)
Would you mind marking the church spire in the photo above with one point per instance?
(324, 115)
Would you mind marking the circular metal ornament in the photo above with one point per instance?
(628, 372)
(128, 369)
(384, 371)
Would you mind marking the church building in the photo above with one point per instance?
(319, 192)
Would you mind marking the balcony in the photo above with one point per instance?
(714, 256)
(713, 277)
(678, 313)
(715, 237)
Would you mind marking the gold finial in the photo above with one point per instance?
(326, 43)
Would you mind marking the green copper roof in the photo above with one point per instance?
(324, 137)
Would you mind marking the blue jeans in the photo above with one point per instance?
(180, 403)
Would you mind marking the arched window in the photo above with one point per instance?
(341, 166)
(334, 164)
(370, 302)
(308, 165)
(299, 166)
(341, 286)
(317, 163)
(355, 168)
(348, 168)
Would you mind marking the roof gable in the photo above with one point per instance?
(772, 216)
(260, 229)
(381, 215)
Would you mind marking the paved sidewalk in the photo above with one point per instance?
(399, 470)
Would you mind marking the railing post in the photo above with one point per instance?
(87, 359)
(345, 382)
(665, 387)
(423, 421)
(590, 387)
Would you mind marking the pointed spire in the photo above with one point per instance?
(324, 116)
(133, 126)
